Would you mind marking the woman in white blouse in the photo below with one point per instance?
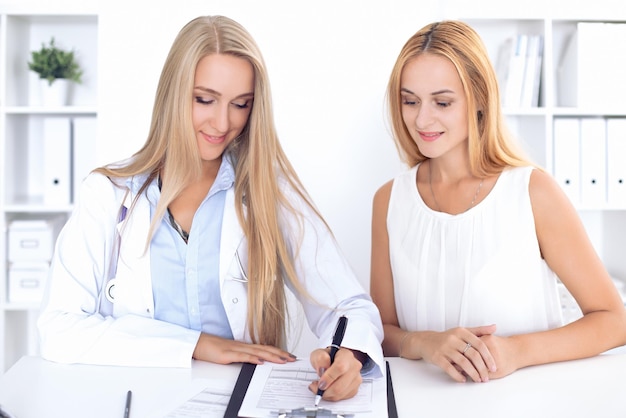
(467, 244)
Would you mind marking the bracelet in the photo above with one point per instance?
(406, 334)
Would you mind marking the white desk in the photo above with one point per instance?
(596, 387)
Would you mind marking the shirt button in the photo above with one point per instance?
(235, 300)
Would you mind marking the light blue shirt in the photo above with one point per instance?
(185, 277)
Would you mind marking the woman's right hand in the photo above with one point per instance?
(459, 351)
(223, 351)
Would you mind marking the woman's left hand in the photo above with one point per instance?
(503, 350)
(342, 379)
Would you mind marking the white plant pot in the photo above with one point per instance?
(55, 94)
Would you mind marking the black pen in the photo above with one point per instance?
(129, 397)
(334, 347)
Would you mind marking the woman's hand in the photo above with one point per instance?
(503, 350)
(342, 379)
(223, 351)
(459, 352)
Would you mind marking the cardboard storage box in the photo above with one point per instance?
(27, 282)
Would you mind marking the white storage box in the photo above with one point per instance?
(27, 282)
(32, 240)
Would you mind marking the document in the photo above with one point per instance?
(211, 402)
(285, 387)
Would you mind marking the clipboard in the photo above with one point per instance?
(247, 371)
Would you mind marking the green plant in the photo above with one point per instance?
(51, 62)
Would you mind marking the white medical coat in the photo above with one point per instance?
(79, 325)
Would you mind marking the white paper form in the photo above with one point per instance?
(275, 387)
(211, 402)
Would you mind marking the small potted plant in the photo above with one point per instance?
(56, 69)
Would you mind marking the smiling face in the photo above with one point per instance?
(222, 100)
(434, 105)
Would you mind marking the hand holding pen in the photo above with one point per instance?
(334, 347)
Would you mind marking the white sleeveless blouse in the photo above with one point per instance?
(480, 267)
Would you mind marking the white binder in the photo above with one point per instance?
(600, 72)
(567, 157)
(84, 155)
(616, 166)
(532, 72)
(515, 74)
(57, 161)
(593, 162)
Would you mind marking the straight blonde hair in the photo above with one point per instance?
(491, 146)
(171, 152)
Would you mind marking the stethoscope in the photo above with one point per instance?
(109, 290)
(244, 276)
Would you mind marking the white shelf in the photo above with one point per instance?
(20, 306)
(41, 110)
(23, 140)
(37, 208)
(534, 127)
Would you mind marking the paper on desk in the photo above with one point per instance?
(277, 387)
(211, 402)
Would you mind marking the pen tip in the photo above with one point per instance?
(318, 398)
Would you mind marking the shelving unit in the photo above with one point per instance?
(534, 127)
(22, 136)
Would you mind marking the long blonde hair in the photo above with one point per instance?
(491, 146)
(260, 162)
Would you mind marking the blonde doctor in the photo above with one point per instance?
(187, 249)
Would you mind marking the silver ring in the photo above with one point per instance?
(467, 346)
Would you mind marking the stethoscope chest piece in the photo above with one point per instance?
(109, 290)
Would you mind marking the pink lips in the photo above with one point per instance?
(214, 139)
(429, 136)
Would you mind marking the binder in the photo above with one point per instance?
(83, 142)
(515, 74)
(245, 376)
(567, 157)
(599, 44)
(587, 69)
(239, 392)
(57, 161)
(532, 72)
(392, 410)
(593, 162)
(616, 169)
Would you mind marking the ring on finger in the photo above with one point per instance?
(467, 346)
